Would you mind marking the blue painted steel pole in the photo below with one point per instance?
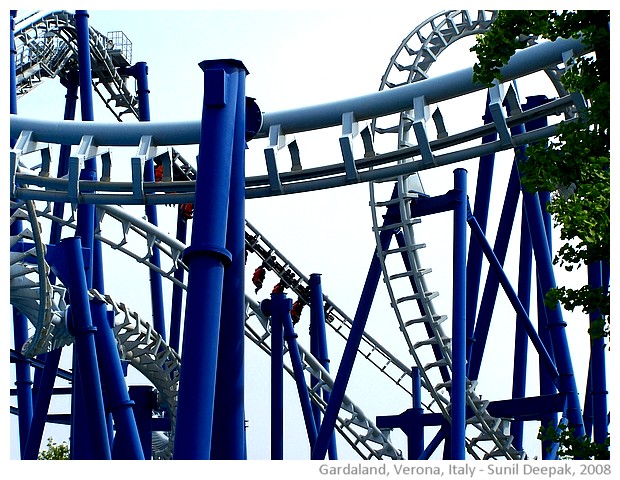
(519, 375)
(71, 83)
(489, 295)
(598, 365)
(482, 202)
(350, 351)
(281, 306)
(206, 256)
(67, 261)
(318, 342)
(126, 444)
(277, 382)
(177, 292)
(23, 378)
(229, 418)
(140, 72)
(546, 278)
(497, 270)
(12, 72)
(41, 407)
(86, 213)
(458, 389)
(145, 400)
(556, 325)
(415, 433)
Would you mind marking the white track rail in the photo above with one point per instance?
(418, 321)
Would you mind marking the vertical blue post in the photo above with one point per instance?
(42, 403)
(23, 378)
(68, 263)
(519, 379)
(481, 212)
(491, 287)
(229, 419)
(126, 444)
(350, 351)
(318, 343)
(140, 72)
(415, 434)
(12, 72)
(546, 277)
(459, 342)
(598, 366)
(177, 292)
(145, 400)
(206, 257)
(71, 83)
(277, 381)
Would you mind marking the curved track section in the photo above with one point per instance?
(47, 48)
(410, 296)
(145, 349)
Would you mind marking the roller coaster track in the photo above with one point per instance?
(39, 51)
(418, 320)
(140, 344)
(47, 48)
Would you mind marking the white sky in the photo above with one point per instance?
(297, 57)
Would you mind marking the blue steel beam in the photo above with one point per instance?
(318, 348)
(282, 307)
(458, 386)
(140, 72)
(67, 260)
(277, 383)
(512, 296)
(598, 367)
(229, 413)
(481, 211)
(207, 255)
(524, 290)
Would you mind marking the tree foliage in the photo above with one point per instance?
(571, 446)
(575, 164)
(54, 451)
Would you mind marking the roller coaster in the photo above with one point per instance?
(171, 385)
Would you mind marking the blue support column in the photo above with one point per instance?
(458, 388)
(145, 400)
(491, 287)
(71, 83)
(206, 257)
(177, 293)
(536, 217)
(42, 403)
(126, 445)
(229, 419)
(556, 324)
(519, 375)
(67, 261)
(482, 202)
(318, 346)
(598, 366)
(277, 382)
(415, 437)
(23, 378)
(140, 72)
